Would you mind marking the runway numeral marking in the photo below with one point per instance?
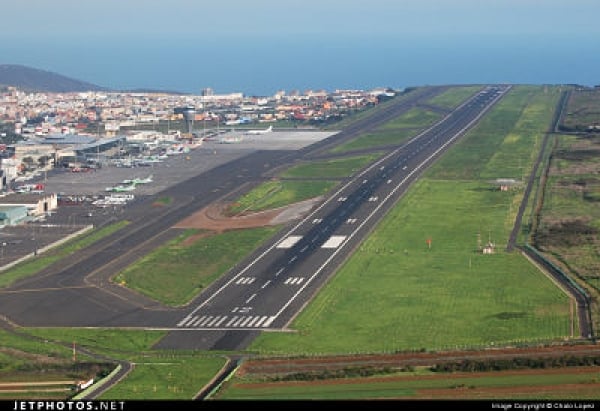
(289, 241)
(241, 310)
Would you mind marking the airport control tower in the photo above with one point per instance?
(188, 115)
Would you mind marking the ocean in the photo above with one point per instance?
(260, 66)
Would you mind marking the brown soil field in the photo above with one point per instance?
(584, 389)
(284, 366)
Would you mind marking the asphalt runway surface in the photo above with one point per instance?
(77, 292)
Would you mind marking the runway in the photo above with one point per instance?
(275, 282)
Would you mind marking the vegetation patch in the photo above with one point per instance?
(279, 193)
(336, 168)
(176, 272)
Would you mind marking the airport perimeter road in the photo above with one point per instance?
(77, 291)
(273, 287)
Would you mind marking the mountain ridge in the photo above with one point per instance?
(37, 80)
(33, 79)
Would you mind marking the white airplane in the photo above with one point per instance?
(142, 180)
(254, 132)
(136, 180)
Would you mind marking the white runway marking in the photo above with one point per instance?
(317, 220)
(264, 317)
(245, 280)
(251, 298)
(289, 241)
(185, 320)
(294, 280)
(269, 321)
(351, 221)
(334, 241)
(235, 317)
(265, 284)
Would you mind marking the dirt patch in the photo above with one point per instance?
(214, 218)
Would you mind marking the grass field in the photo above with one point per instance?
(335, 168)
(395, 293)
(454, 96)
(164, 377)
(176, 272)
(156, 374)
(278, 193)
(409, 124)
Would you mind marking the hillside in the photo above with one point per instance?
(31, 79)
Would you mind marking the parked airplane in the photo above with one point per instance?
(122, 187)
(254, 132)
(230, 140)
(135, 181)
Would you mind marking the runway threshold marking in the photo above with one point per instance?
(289, 241)
(334, 241)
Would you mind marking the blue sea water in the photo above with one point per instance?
(263, 65)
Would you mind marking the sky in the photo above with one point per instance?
(62, 36)
(199, 18)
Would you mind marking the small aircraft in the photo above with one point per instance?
(264, 131)
(121, 188)
(138, 181)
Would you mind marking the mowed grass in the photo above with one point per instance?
(410, 123)
(576, 383)
(335, 168)
(156, 374)
(166, 377)
(413, 118)
(454, 96)
(279, 193)
(396, 293)
(176, 272)
(116, 342)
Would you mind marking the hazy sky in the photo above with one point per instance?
(258, 45)
(140, 19)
